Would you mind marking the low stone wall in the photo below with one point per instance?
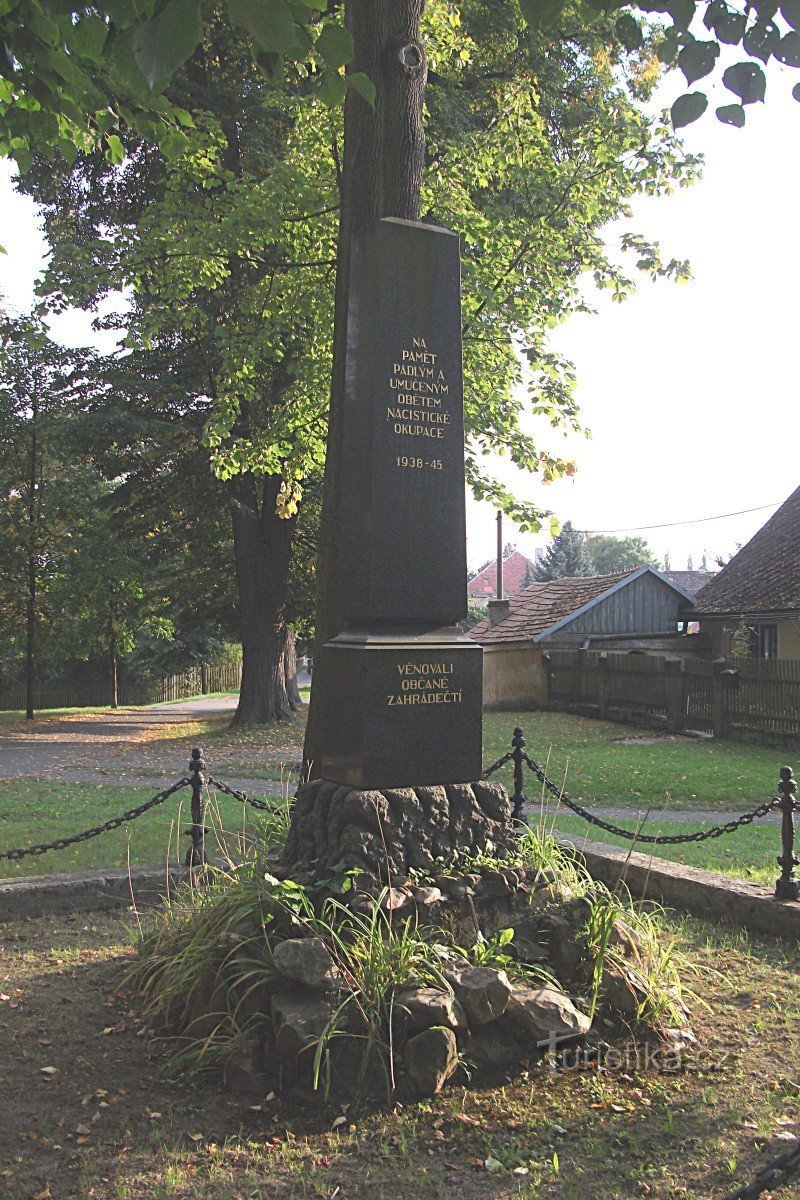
(707, 894)
(44, 895)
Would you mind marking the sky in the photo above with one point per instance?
(690, 391)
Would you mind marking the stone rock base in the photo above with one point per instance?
(386, 834)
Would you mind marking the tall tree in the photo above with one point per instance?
(566, 556)
(41, 491)
(227, 250)
(609, 553)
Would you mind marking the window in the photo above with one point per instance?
(768, 641)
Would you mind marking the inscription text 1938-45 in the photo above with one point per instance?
(418, 407)
(425, 683)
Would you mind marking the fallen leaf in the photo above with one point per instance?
(195, 1137)
(49, 1070)
(493, 1164)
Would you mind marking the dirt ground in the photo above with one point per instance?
(87, 1108)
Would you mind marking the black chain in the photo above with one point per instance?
(242, 797)
(112, 823)
(774, 1175)
(501, 762)
(701, 835)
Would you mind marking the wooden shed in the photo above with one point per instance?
(637, 611)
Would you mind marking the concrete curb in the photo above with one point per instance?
(707, 894)
(46, 895)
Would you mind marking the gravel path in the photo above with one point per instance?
(128, 747)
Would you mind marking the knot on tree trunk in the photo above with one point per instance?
(406, 55)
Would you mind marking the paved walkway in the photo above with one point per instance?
(128, 747)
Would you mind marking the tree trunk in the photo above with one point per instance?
(262, 548)
(30, 599)
(113, 677)
(30, 639)
(384, 150)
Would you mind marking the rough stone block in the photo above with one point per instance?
(308, 962)
(545, 1017)
(430, 1059)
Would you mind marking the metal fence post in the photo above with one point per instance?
(519, 799)
(196, 854)
(788, 886)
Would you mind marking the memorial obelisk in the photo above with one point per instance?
(400, 699)
(402, 687)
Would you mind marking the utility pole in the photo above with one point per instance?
(500, 555)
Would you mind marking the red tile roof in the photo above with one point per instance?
(514, 571)
(764, 577)
(541, 605)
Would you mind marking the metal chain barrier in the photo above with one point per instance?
(242, 797)
(701, 835)
(774, 1175)
(95, 831)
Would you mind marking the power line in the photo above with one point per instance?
(673, 524)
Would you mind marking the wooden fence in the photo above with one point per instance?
(746, 699)
(96, 693)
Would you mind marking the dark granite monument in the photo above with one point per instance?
(401, 687)
(405, 686)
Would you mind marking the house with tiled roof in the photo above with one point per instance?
(759, 588)
(689, 581)
(517, 572)
(635, 611)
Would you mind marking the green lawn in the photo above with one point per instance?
(588, 759)
(750, 853)
(588, 755)
(34, 811)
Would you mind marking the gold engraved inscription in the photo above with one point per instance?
(418, 407)
(425, 683)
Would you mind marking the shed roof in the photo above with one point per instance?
(764, 577)
(541, 605)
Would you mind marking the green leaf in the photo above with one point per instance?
(697, 59)
(747, 81)
(790, 11)
(688, 108)
(788, 50)
(761, 40)
(163, 45)
(362, 84)
(629, 32)
(728, 25)
(270, 22)
(732, 114)
(335, 44)
(766, 9)
(115, 151)
(682, 12)
(540, 13)
(89, 36)
(667, 50)
(173, 145)
(332, 87)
